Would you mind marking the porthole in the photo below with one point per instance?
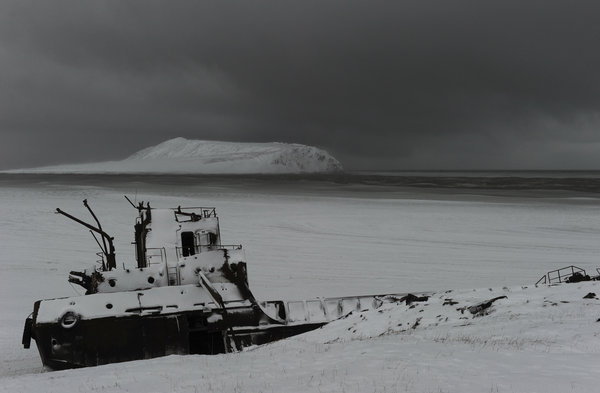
(69, 320)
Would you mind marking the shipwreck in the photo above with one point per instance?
(188, 294)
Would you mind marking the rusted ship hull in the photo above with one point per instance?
(119, 339)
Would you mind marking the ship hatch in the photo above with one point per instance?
(187, 244)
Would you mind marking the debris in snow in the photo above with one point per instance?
(410, 298)
(414, 326)
(449, 302)
(478, 309)
(577, 277)
(590, 295)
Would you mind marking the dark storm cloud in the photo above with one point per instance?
(411, 84)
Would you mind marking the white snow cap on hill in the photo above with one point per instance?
(180, 155)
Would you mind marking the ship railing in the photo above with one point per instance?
(560, 275)
(201, 212)
(323, 310)
(156, 256)
(189, 251)
(328, 309)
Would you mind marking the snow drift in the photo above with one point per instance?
(180, 155)
(531, 340)
(304, 243)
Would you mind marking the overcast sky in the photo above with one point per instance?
(407, 84)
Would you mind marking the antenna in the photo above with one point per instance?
(131, 203)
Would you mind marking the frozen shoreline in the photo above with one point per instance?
(584, 185)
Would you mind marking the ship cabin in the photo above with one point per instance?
(172, 247)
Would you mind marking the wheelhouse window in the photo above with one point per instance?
(206, 240)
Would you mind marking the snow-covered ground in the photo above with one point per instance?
(180, 155)
(316, 242)
(534, 340)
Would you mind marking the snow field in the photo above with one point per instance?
(311, 244)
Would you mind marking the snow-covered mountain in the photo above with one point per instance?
(180, 155)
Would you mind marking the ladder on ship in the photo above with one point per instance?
(173, 275)
(158, 256)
